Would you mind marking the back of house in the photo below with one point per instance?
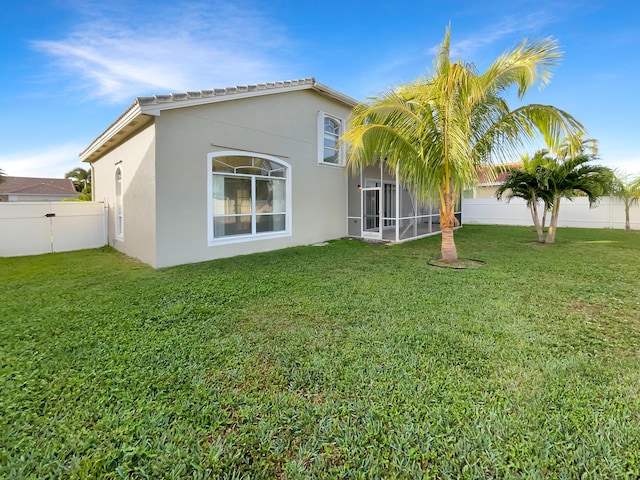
(216, 173)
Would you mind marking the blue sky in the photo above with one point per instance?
(71, 67)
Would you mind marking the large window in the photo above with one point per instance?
(119, 213)
(249, 197)
(330, 129)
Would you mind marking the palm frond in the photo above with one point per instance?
(437, 130)
(529, 63)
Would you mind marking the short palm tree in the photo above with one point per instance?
(1, 175)
(524, 182)
(569, 177)
(436, 131)
(627, 189)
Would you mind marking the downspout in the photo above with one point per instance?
(93, 195)
(105, 207)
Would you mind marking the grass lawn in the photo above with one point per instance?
(345, 361)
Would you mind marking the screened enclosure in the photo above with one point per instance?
(381, 208)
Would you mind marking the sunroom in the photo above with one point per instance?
(382, 208)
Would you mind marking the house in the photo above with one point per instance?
(208, 174)
(29, 189)
(489, 179)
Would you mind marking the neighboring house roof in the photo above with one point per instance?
(37, 186)
(143, 109)
(495, 174)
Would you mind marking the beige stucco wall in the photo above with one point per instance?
(485, 191)
(283, 125)
(136, 158)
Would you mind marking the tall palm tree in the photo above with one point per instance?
(524, 182)
(627, 189)
(578, 145)
(436, 131)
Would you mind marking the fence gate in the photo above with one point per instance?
(30, 228)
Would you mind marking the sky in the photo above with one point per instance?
(71, 67)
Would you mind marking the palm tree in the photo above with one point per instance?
(577, 146)
(524, 183)
(567, 178)
(627, 189)
(82, 182)
(1, 175)
(436, 131)
(80, 177)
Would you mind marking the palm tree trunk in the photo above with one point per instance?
(447, 221)
(544, 215)
(553, 224)
(536, 220)
(627, 221)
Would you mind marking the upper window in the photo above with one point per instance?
(249, 197)
(119, 213)
(330, 129)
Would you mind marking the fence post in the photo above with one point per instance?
(50, 216)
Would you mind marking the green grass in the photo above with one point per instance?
(345, 361)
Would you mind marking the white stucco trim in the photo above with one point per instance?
(320, 135)
(127, 117)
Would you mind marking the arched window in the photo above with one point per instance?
(249, 196)
(119, 214)
(330, 129)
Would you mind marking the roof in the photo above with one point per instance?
(37, 186)
(495, 174)
(142, 111)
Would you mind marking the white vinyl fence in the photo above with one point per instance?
(30, 228)
(609, 213)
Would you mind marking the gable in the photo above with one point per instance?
(144, 109)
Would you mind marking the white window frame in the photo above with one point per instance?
(119, 205)
(341, 151)
(212, 241)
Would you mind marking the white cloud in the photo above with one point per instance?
(629, 165)
(50, 162)
(520, 25)
(514, 22)
(177, 49)
(509, 29)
